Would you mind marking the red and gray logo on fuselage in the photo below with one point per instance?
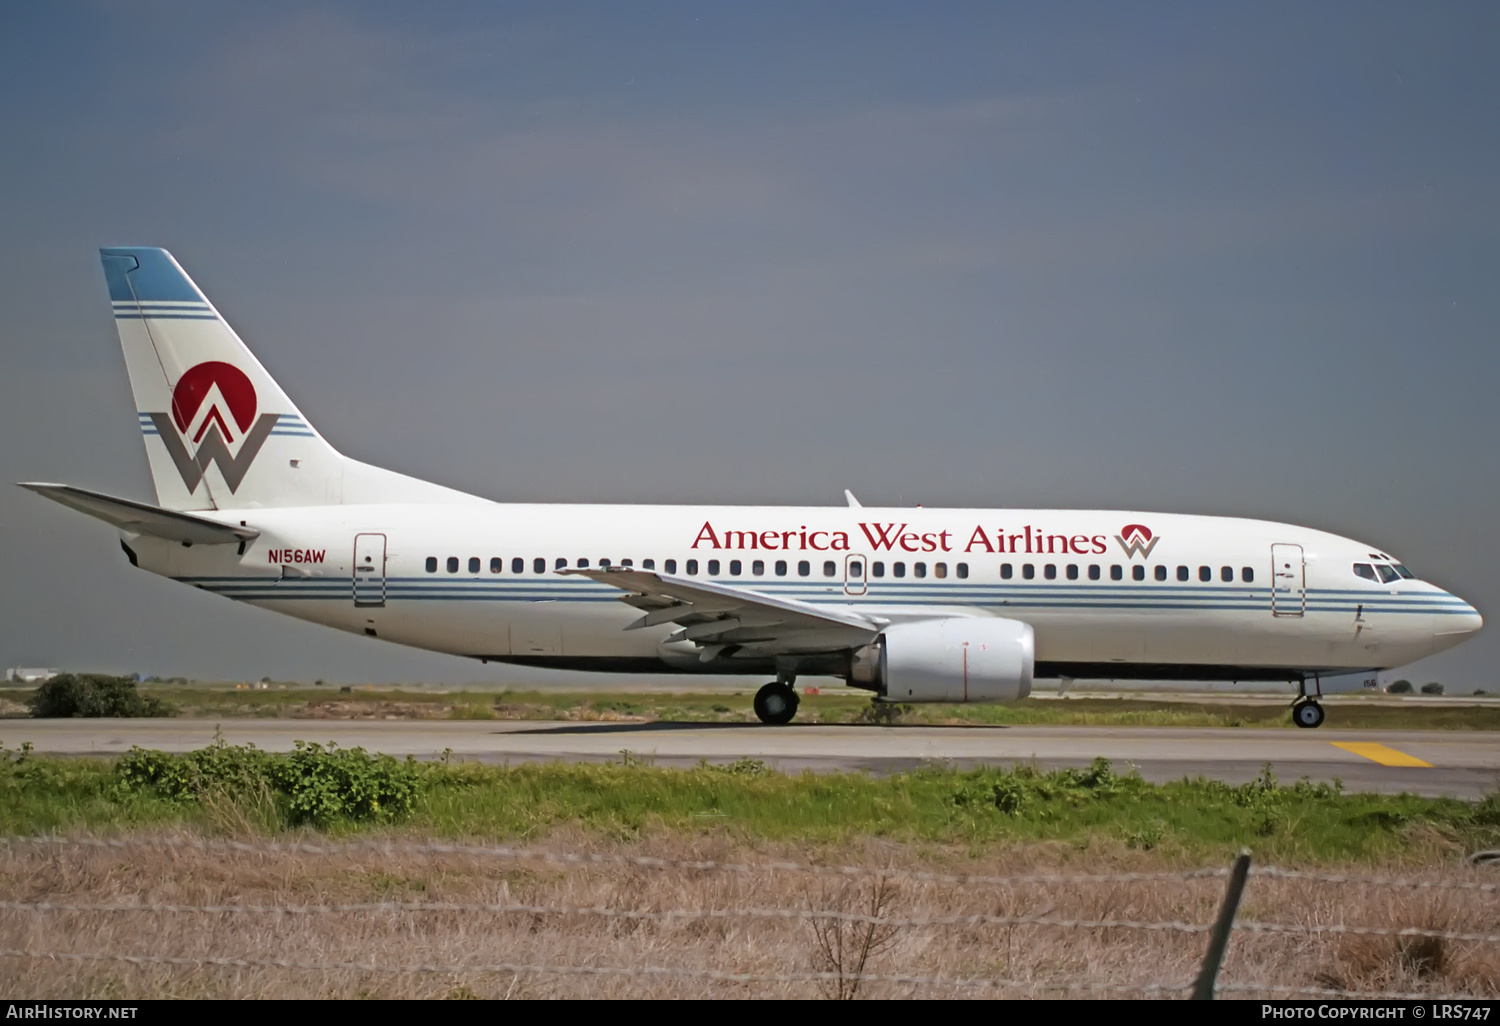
(225, 398)
(1136, 539)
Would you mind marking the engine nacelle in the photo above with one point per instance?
(958, 659)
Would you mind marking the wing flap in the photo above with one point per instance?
(142, 518)
(718, 615)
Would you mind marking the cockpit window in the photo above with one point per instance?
(1404, 572)
(1364, 570)
(1387, 575)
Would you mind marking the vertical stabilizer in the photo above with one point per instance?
(220, 433)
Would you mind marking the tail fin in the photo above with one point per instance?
(220, 433)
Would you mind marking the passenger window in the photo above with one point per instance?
(670, 566)
(473, 564)
(496, 564)
(919, 569)
(518, 565)
(856, 569)
(560, 563)
(539, 565)
(781, 568)
(1050, 571)
(940, 569)
(604, 564)
(830, 568)
(1028, 571)
(1116, 572)
(1247, 575)
(453, 564)
(898, 569)
(962, 570)
(627, 562)
(1226, 574)
(1161, 573)
(432, 564)
(1005, 571)
(1072, 571)
(1401, 569)
(803, 568)
(877, 569)
(1093, 571)
(1183, 573)
(583, 564)
(692, 568)
(1387, 575)
(713, 568)
(1205, 573)
(758, 568)
(1138, 572)
(734, 567)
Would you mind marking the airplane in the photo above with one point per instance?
(913, 605)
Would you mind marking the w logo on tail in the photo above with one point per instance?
(213, 389)
(1136, 539)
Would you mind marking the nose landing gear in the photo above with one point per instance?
(1307, 713)
(776, 703)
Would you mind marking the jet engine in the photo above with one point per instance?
(956, 659)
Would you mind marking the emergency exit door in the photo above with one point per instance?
(369, 569)
(1288, 585)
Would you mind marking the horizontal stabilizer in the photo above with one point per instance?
(141, 518)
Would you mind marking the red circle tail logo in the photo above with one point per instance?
(193, 388)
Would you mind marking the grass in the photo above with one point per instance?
(285, 701)
(632, 800)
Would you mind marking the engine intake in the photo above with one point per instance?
(957, 659)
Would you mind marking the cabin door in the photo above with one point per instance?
(369, 569)
(1288, 584)
(855, 569)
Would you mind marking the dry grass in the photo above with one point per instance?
(1038, 957)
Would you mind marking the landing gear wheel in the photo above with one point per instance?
(776, 704)
(1307, 714)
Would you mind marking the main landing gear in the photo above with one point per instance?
(1306, 712)
(776, 703)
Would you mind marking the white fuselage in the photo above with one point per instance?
(480, 580)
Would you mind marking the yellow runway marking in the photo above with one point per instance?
(1380, 753)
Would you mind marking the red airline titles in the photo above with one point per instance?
(892, 537)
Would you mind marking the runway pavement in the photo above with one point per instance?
(1457, 763)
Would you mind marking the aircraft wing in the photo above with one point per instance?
(141, 518)
(716, 616)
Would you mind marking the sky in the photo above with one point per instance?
(1198, 258)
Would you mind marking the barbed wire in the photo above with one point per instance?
(602, 859)
(977, 919)
(1276, 872)
(715, 975)
(709, 865)
(594, 970)
(663, 915)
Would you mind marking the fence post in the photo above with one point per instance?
(1218, 940)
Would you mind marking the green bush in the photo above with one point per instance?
(1401, 687)
(93, 694)
(1432, 687)
(311, 784)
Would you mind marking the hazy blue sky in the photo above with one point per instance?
(1203, 258)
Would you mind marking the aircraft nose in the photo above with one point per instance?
(1462, 623)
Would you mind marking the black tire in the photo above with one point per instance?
(1307, 715)
(776, 704)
